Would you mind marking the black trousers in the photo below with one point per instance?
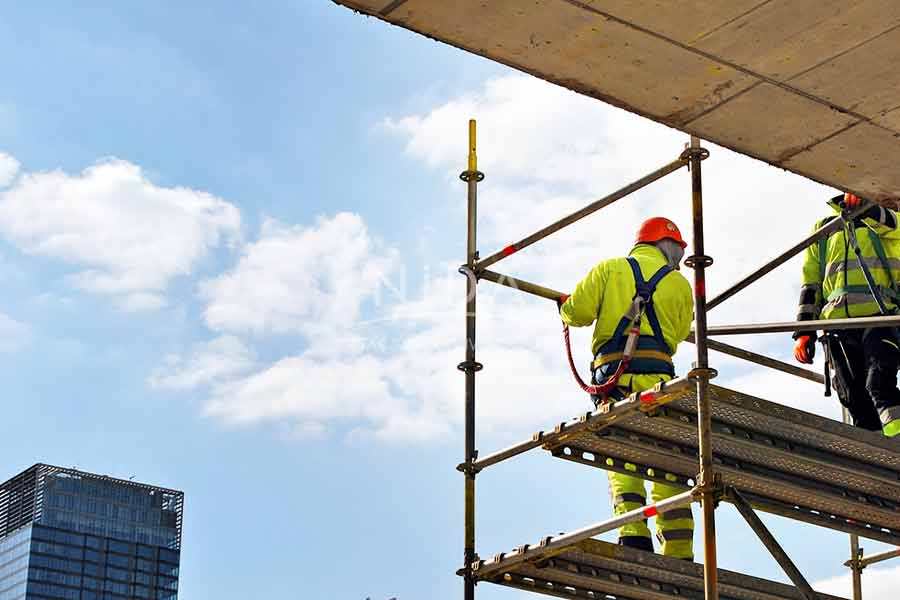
(865, 373)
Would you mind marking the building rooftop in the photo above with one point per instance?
(117, 508)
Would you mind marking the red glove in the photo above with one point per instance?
(561, 300)
(852, 201)
(805, 349)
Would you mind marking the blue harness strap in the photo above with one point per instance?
(656, 342)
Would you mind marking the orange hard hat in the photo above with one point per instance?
(659, 228)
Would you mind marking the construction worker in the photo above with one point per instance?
(604, 296)
(835, 286)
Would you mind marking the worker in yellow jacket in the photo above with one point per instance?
(864, 361)
(605, 296)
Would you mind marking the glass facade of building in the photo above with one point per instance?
(70, 535)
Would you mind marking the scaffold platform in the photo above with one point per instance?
(783, 460)
(599, 570)
(732, 73)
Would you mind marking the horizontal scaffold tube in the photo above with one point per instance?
(761, 359)
(644, 401)
(821, 324)
(521, 285)
(875, 558)
(580, 214)
(550, 543)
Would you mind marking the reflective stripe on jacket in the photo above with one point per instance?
(605, 296)
(834, 286)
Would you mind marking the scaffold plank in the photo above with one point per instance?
(808, 86)
(599, 570)
(785, 461)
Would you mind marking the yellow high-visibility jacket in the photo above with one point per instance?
(834, 286)
(606, 293)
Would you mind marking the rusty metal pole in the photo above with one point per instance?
(701, 373)
(471, 176)
(855, 552)
(855, 567)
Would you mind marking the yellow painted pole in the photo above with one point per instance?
(473, 157)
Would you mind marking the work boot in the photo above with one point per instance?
(638, 542)
(892, 428)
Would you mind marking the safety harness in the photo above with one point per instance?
(628, 350)
(872, 288)
(832, 342)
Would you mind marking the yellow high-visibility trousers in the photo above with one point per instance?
(674, 529)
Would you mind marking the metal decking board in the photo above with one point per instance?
(784, 460)
(807, 85)
(599, 570)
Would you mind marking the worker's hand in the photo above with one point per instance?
(852, 201)
(561, 300)
(805, 349)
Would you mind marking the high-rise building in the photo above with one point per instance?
(66, 534)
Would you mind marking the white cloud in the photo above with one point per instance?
(529, 132)
(13, 334)
(546, 152)
(9, 166)
(308, 431)
(877, 583)
(309, 390)
(222, 357)
(295, 279)
(126, 236)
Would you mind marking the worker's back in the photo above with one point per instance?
(606, 294)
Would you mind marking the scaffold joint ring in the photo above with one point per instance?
(702, 373)
(470, 366)
(468, 175)
(469, 272)
(698, 260)
(689, 153)
(468, 468)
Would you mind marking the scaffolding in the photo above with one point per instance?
(754, 454)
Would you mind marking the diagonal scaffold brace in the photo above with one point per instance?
(771, 544)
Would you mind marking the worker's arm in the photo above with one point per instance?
(581, 308)
(811, 299)
(810, 304)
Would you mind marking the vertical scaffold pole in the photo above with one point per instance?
(701, 373)
(471, 176)
(855, 554)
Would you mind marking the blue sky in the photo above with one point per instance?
(227, 240)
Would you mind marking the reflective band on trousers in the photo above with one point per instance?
(629, 497)
(675, 534)
(678, 513)
(889, 414)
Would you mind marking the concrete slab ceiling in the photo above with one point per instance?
(811, 86)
